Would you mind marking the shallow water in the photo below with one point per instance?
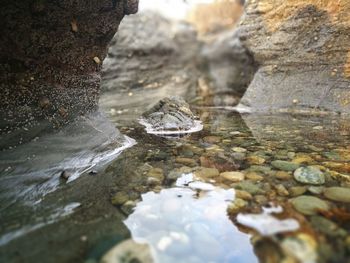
(157, 192)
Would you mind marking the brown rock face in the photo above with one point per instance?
(51, 54)
(303, 49)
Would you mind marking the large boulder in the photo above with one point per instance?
(303, 49)
(51, 54)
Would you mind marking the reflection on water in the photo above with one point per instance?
(185, 225)
(32, 170)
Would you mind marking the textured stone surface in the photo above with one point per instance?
(51, 55)
(303, 49)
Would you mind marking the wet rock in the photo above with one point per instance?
(128, 207)
(232, 176)
(177, 172)
(282, 175)
(254, 159)
(249, 187)
(281, 190)
(234, 207)
(220, 162)
(243, 195)
(340, 194)
(156, 173)
(128, 251)
(309, 205)
(169, 115)
(315, 189)
(254, 177)
(260, 169)
(327, 227)
(297, 190)
(186, 161)
(212, 139)
(284, 165)
(65, 175)
(309, 175)
(239, 149)
(302, 247)
(120, 198)
(204, 172)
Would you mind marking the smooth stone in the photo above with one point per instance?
(249, 187)
(232, 176)
(186, 161)
(259, 169)
(243, 195)
(315, 189)
(178, 172)
(283, 175)
(284, 165)
(206, 172)
(340, 194)
(327, 227)
(281, 190)
(309, 205)
(236, 206)
(212, 139)
(120, 198)
(254, 159)
(297, 190)
(309, 175)
(239, 149)
(156, 173)
(253, 176)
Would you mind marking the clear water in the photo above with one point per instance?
(182, 215)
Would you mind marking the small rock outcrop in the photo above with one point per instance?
(51, 55)
(170, 116)
(303, 50)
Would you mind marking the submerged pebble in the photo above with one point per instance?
(232, 176)
(309, 175)
(340, 194)
(309, 205)
(284, 165)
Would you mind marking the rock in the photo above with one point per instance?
(56, 66)
(254, 159)
(156, 173)
(327, 227)
(65, 175)
(249, 187)
(239, 150)
(243, 195)
(284, 165)
(212, 139)
(186, 161)
(128, 251)
(204, 172)
(177, 172)
(340, 194)
(120, 198)
(297, 190)
(254, 176)
(309, 205)
(128, 207)
(297, 70)
(171, 114)
(303, 159)
(282, 175)
(315, 189)
(309, 175)
(281, 190)
(260, 169)
(302, 247)
(232, 176)
(234, 207)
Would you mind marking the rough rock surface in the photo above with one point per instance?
(51, 54)
(303, 49)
